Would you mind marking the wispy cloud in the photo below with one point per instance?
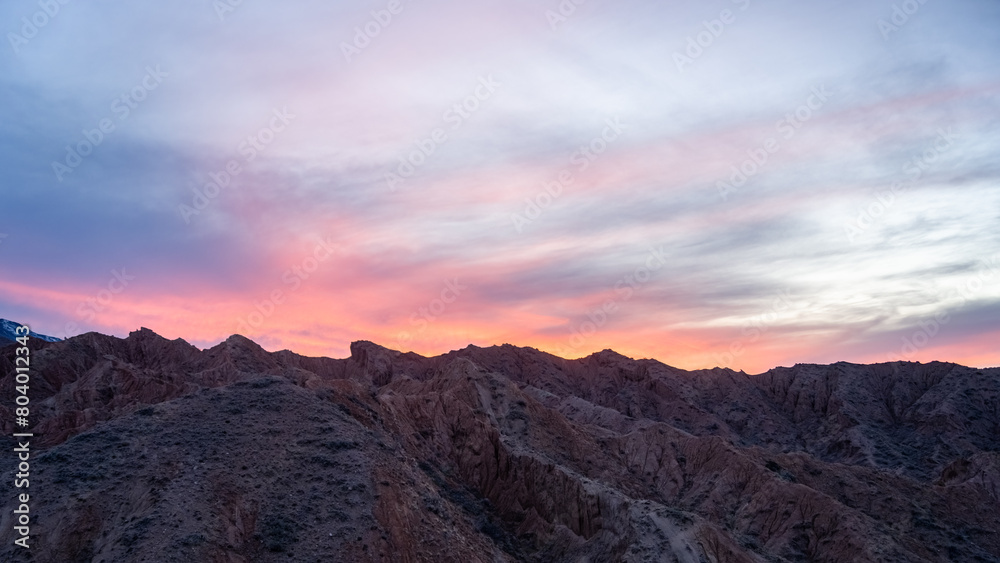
(814, 221)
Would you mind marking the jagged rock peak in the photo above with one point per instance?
(240, 340)
(361, 349)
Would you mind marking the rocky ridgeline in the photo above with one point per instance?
(146, 449)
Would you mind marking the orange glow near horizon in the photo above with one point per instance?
(312, 323)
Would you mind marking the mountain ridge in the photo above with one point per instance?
(8, 333)
(502, 454)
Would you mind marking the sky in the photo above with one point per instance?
(736, 183)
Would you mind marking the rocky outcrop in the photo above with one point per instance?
(147, 449)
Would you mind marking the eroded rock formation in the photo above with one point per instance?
(153, 450)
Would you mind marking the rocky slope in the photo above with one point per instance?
(9, 333)
(153, 450)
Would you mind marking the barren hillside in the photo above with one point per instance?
(153, 450)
